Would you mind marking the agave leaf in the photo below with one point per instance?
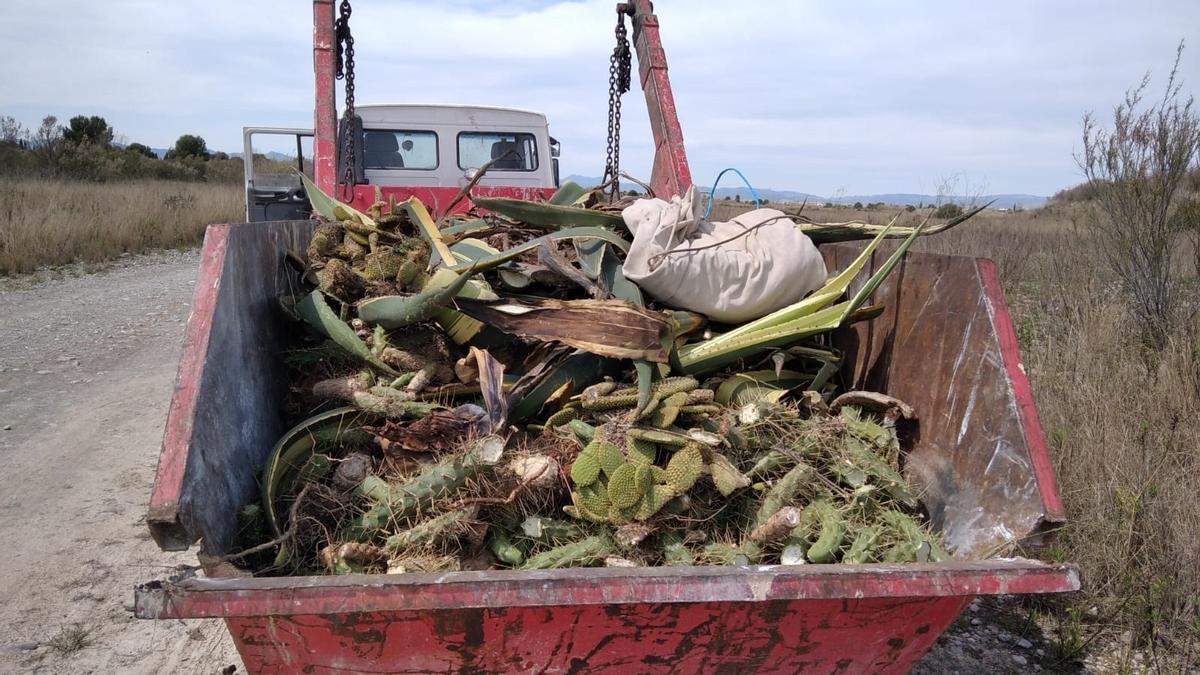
(324, 205)
(612, 328)
(569, 194)
(458, 326)
(612, 277)
(398, 311)
(832, 290)
(471, 250)
(548, 215)
(882, 273)
(718, 351)
(826, 233)
(591, 254)
(466, 227)
(575, 369)
(577, 233)
(755, 385)
(341, 427)
(828, 369)
(491, 387)
(418, 214)
(317, 313)
(645, 380)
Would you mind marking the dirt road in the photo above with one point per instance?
(87, 366)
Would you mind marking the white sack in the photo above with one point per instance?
(740, 280)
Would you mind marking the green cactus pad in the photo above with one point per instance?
(641, 451)
(586, 468)
(627, 484)
(675, 400)
(562, 417)
(664, 416)
(685, 468)
(610, 456)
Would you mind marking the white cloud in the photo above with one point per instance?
(872, 96)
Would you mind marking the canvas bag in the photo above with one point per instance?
(735, 281)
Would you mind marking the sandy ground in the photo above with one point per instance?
(87, 367)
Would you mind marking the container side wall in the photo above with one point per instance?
(879, 635)
(936, 347)
(225, 416)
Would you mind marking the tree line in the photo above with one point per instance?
(85, 149)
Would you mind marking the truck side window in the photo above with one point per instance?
(513, 152)
(391, 149)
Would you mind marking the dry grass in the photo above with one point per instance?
(71, 639)
(58, 222)
(1123, 421)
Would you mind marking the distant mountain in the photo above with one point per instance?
(1001, 201)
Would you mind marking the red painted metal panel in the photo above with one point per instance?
(670, 175)
(325, 108)
(163, 514)
(881, 635)
(1010, 350)
(495, 589)
(436, 198)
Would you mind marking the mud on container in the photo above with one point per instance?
(945, 344)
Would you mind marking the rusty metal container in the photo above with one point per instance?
(945, 344)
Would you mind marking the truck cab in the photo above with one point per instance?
(422, 150)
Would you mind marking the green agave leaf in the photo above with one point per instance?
(832, 290)
(579, 368)
(569, 194)
(418, 214)
(755, 385)
(827, 233)
(485, 264)
(398, 311)
(548, 215)
(460, 327)
(590, 253)
(711, 354)
(882, 273)
(471, 250)
(724, 349)
(324, 205)
(465, 227)
(317, 313)
(613, 278)
(342, 426)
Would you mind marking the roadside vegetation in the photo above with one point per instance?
(73, 193)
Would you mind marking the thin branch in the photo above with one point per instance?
(475, 180)
(293, 519)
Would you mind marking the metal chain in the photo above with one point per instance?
(345, 70)
(618, 83)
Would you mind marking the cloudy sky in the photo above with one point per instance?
(824, 97)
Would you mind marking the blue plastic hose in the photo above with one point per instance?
(712, 195)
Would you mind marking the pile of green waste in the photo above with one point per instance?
(490, 392)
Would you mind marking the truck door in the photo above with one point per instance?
(271, 159)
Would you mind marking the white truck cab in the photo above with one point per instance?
(413, 145)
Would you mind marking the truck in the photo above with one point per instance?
(427, 151)
(945, 343)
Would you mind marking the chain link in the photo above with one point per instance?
(345, 70)
(618, 83)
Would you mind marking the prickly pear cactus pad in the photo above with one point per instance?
(487, 391)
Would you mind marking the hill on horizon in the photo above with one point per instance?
(1023, 201)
